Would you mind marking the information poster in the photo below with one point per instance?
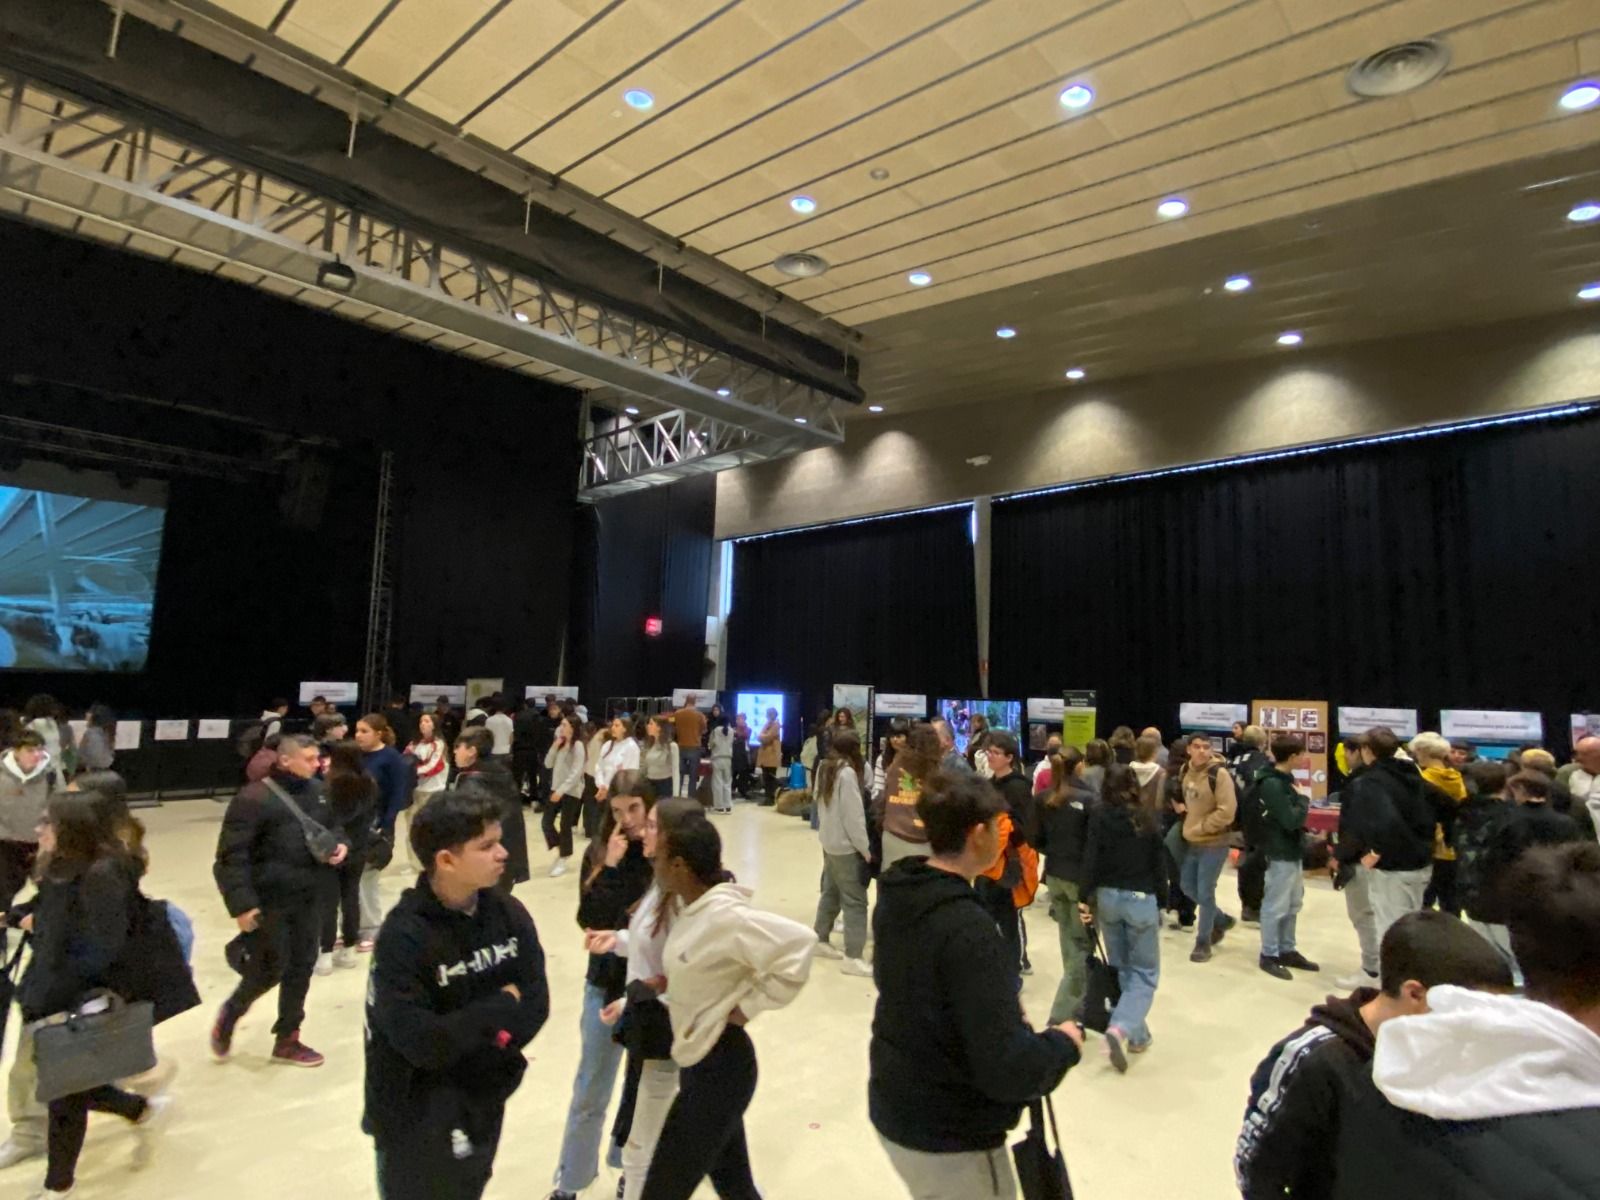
(704, 698)
(427, 694)
(899, 704)
(1208, 716)
(479, 690)
(172, 731)
(1493, 726)
(1078, 718)
(1045, 708)
(857, 697)
(126, 736)
(1307, 720)
(1585, 725)
(335, 693)
(213, 728)
(1354, 720)
(538, 691)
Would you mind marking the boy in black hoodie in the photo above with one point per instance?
(953, 1060)
(1288, 1147)
(457, 990)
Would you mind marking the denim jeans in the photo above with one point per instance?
(598, 1061)
(1074, 950)
(1280, 907)
(1130, 923)
(1202, 867)
(689, 768)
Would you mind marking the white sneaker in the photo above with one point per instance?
(856, 966)
(13, 1152)
(1356, 979)
(158, 1111)
(325, 963)
(558, 869)
(345, 959)
(828, 950)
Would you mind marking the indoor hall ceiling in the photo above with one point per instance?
(929, 133)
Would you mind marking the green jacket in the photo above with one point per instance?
(1282, 816)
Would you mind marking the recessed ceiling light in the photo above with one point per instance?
(919, 279)
(1584, 212)
(874, 408)
(1172, 207)
(801, 266)
(1290, 339)
(638, 98)
(1005, 333)
(724, 392)
(1590, 292)
(521, 316)
(799, 420)
(1075, 373)
(1077, 96)
(1239, 283)
(631, 411)
(804, 205)
(1580, 95)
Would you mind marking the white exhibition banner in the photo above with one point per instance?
(900, 704)
(1354, 719)
(1491, 725)
(1209, 715)
(346, 692)
(1046, 708)
(126, 736)
(429, 693)
(172, 731)
(212, 728)
(857, 697)
(704, 697)
(538, 691)
(1585, 725)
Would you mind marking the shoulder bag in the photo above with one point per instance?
(1041, 1173)
(321, 842)
(1102, 990)
(102, 1040)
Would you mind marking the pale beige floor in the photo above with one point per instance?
(249, 1131)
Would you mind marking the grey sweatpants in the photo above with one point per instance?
(971, 1175)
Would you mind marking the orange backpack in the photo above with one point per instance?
(1016, 865)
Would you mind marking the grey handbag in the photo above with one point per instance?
(322, 843)
(102, 1040)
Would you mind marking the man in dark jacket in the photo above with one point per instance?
(1247, 758)
(953, 1060)
(1386, 825)
(1276, 831)
(1288, 1147)
(1494, 1095)
(273, 886)
(458, 990)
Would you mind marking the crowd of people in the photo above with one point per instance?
(1473, 890)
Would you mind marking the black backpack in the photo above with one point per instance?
(152, 966)
(1251, 813)
(250, 739)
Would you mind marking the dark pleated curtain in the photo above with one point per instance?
(1456, 571)
(888, 602)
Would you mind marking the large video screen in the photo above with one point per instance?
(77, 580)
(754, 706)
(1001, 714)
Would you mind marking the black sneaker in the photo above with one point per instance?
(1218, 932)
(1298, 961)
(622, 1186)
(1275, 968)
(222, 1033)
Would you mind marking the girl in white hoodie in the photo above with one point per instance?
(725, 963)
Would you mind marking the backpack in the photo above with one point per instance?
(250, 740)
(1250, 813)
(153, 965)
(1017, 867)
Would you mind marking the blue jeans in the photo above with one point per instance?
(1286, 892)
(689, 768)
(1130, 923)
(598, 1061)
(1202, 867)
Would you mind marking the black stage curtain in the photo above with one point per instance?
(1451, 571)
(888, 602)
(644, 554)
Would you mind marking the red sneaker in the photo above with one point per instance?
(292, 1052)
(222, 1033)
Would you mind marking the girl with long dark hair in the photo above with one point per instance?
(564, 763)
(353, 800)
(658, 757)
(903, 835)
(842, 828)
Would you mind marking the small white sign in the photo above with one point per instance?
(857, 697)
(1046, 708)
(538, 691)
(126, 736)
(213, 728)
(704, 698)
(334, 693)
(1353, 719)
(1585, 725)
(1210, 715)
(172, 731)
(429, 693)
(900, 704)
(1491, 725)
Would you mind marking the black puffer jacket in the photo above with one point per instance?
(1385, 808)
(262, 860)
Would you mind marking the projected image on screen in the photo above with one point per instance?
(77, 581)
(1000, 714)
(753, 707)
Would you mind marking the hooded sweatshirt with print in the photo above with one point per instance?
(1485, 1097)
(24, 795)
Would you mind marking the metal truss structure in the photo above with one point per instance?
(74, 165)
(380, 598)
(112, 452)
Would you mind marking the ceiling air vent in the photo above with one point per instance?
(801, 266)
(1399, 69)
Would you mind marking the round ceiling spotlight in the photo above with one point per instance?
(919, 279)
(874, 408)
(1239, 283)
(1584, 212)
(638, 99)
(1290, 339)
(801, 266)
(1397, 70)
(724, 392)
(1005, 333)
(1172, 207)
(804, 205)
(1590, 292)
(631, 411)
(1580, 95)
(521, 317)
(799, 420)
(1075, 374)
(1077, 96)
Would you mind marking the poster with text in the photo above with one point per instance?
(335, 692)
(899, 704)
(479, 690)
(1585, 725)
(1078, 717)
(857, 697)
(427, 694)
(538, 691)
(1308, 721)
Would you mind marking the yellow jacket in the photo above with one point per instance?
(1448, 780)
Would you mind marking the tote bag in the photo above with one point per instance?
(1041, 1172)
(1103, 989)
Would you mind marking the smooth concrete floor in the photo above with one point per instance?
(248, 1130)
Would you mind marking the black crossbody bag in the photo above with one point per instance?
(1041, 1172)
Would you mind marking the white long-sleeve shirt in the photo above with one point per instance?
(566, 766)
(639, 943)
(614, 757)
(503, 729)
(722, 955)
(842, 821)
